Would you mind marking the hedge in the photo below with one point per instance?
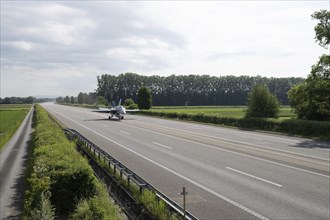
(59, 171)
(319, 129)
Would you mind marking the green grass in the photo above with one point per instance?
(234, 117)
(11, 116)
(15, 106)
(220, 111)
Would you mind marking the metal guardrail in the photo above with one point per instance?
(126, 174)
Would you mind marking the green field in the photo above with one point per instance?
(287, 123)
(220, 111)
(11, 116)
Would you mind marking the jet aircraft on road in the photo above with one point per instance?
(117, 110)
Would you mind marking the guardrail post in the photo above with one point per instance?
(129, 179)
(142, 185)
(114, 168)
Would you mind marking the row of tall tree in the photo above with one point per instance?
(17, 100)
(65, 99)
(192, 89)
(83, 98)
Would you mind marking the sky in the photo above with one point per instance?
(58, 48)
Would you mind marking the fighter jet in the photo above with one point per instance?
(117, 110)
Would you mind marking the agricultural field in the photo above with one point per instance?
(11, 116)
(220, 111)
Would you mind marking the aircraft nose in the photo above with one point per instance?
(123, 110)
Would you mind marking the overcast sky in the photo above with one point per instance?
(58, 48)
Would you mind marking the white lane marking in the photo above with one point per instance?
(255, 177)
(105, 125)
(175, 173)
(162, 145)
(233, 152)
(124, 132)
(239, 142)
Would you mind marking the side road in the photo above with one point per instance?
(13, 160)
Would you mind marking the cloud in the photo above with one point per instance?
(56, 41)
(145, 53)
(23, 45)
(59, 47)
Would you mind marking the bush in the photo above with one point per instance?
(133, 106)
(158, 209)
(262, 103)
(97, 207)
(306, 127)
(57, 169)
(44, 210)
(128, 102)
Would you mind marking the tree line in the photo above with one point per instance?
(176, 90)
(83, 98)
(18, 100)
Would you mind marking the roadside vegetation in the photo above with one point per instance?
(60, 181)
(261, 103)
(311, 98)
(147, 198)
(11, 117)
(234, 117)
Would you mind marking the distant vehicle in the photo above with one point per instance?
(117, 110)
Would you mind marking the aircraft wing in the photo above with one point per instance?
(105, 110)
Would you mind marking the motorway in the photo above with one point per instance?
(228, 173)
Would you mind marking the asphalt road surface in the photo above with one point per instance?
(228, 173)
(13, 159)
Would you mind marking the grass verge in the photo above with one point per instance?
(156, 207)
